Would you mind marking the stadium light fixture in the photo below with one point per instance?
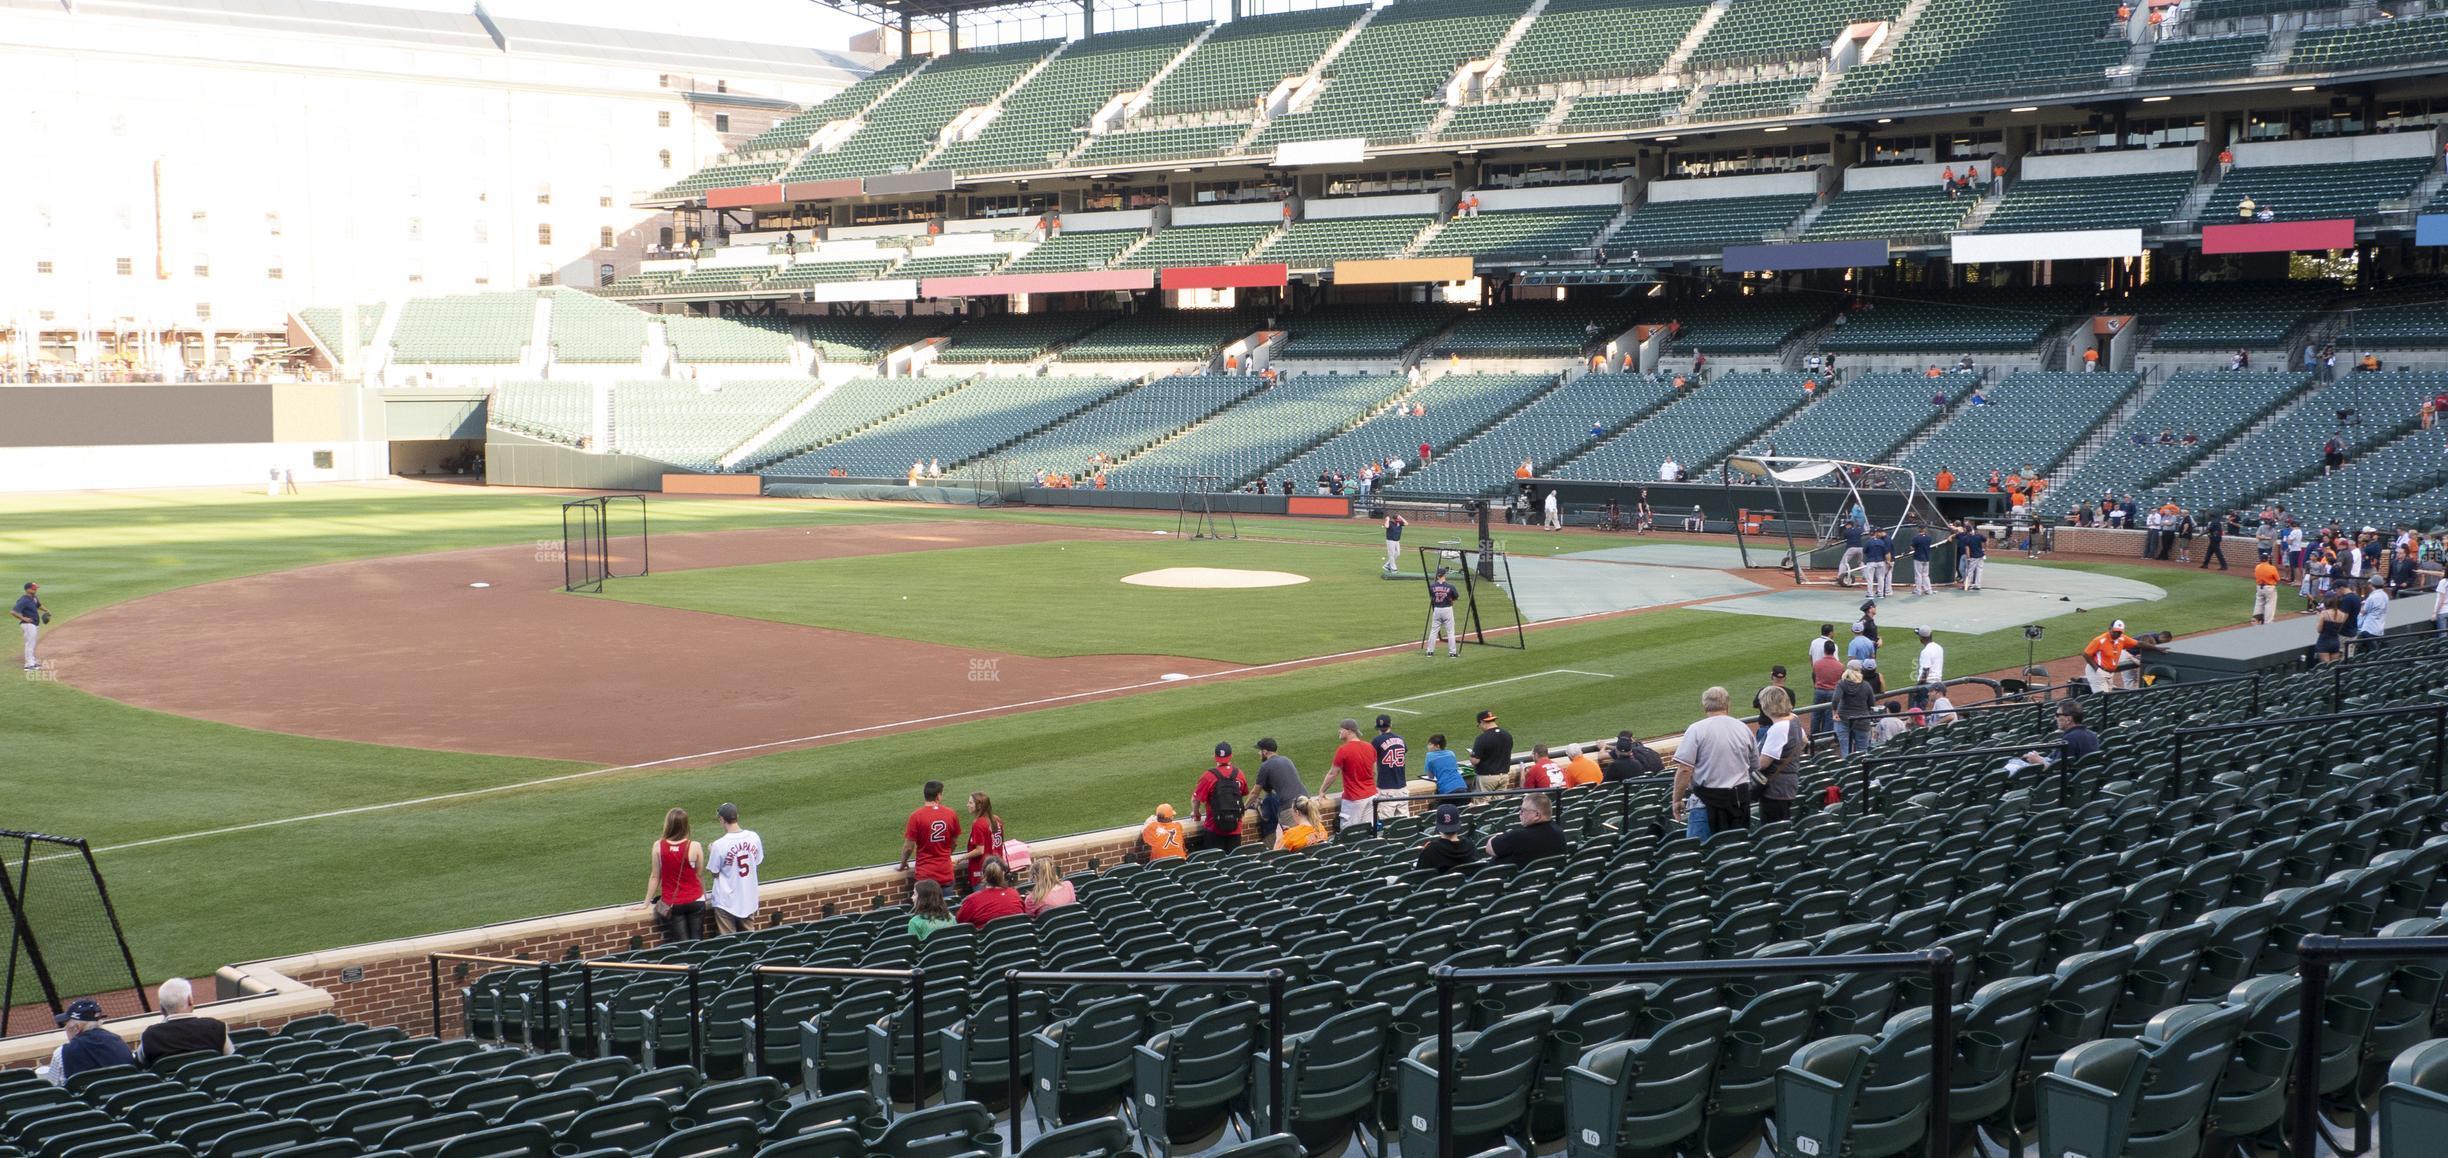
(1669, 137)
(2024, 109)
(2303, 88)
(2156, 100)
(1886, 120)
(1556, 145)
(1774, 129)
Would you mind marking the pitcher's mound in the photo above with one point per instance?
(1214, 578)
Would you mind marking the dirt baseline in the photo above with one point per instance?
(402, 651)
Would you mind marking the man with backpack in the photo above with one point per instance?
(1217, 803)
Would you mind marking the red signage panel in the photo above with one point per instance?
(839, 189)
(1227, 277)
(2279, 236)
(743, 196)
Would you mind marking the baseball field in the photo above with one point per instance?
(364, 712)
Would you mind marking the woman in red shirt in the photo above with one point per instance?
(985, 839)
(673, 887)
(996, 899)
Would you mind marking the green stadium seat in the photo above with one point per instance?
(1516, 118)
(1706, 226)
(2365, 45)
(1318, 242)
(1915, 212)
(1081, 1067)
(1073, 252)
(902, 127)
(2147, 1097)
(1590, 40)
(1746, 100)
(1332, 1076)
(1188, 1080)
(2186, 61)
(1047, 115)
(1195, 245)
(2107, 201)
(464, 329)
(739, 340)
(1783, 30)
(2355, 189)
(1625, 110)
(1521, 234)
(1965, 49)
(1647, 1095)
(1386, 83)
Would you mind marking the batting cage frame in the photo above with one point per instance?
(1195, 514)
(1789, 479)
(1492, 568)
(57, 961)
(593, 551)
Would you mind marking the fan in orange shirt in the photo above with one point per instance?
(1162, 835)
(2104, 654)
(1580, 769)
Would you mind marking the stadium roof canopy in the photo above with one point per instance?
(474, 29)
(939, 13)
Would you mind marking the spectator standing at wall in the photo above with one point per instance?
(180, 1031)
(1443, 767)
(1491, 751)
(1715, 761)
(82, 1051)
(2371, 619)
(1279, 784)
(928, 837)
(673, 888)
(1218, 802)
(985, 839)
(1781, 747)
(1162, 835)
(734, 857)
(1355, 772)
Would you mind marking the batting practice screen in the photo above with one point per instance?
(64, 940)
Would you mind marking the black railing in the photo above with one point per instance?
(433, 979)
(2439, 735)
(1936, 963)
(696, 1003)
(2315, 956)
(1279, 1113)
(2339, 673)
(915, 977)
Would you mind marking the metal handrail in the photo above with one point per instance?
(586, 997)
(2439, 734)
(1936, 962)
(2314, 956)
(915, 976)
(433, 980)
(1279, 1113)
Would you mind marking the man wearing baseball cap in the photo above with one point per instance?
(1162, 835)
(1393, 769)
(1354, 777)
(1491, 752)
(1217, 803)
(84, 1051)
(1279, 787)
(29, 613)
(1442, 595)
(2104, 654)
(1446, 851)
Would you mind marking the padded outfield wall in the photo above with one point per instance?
(61, 438)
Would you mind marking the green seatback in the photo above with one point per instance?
(1640, 1096)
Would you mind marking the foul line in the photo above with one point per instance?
(1388, 706)
(797, 741)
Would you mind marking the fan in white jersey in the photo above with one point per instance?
(734, 857)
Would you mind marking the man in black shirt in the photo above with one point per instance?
(1537, 837)
(1447, 851)
(1491, 753)
(1279, 785)
(180, 1030)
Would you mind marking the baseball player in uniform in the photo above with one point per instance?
(1878, 568)
(1972, 551)
(1851, 563)
(1441, 596)
(1921, 560)
(1394, 528)
(31, 615)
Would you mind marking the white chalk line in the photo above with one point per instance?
(945, 717)
(1388, 706)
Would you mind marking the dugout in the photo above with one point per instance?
(1720, 504)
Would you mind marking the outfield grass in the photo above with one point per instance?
(82, 765)
(1068, 599)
